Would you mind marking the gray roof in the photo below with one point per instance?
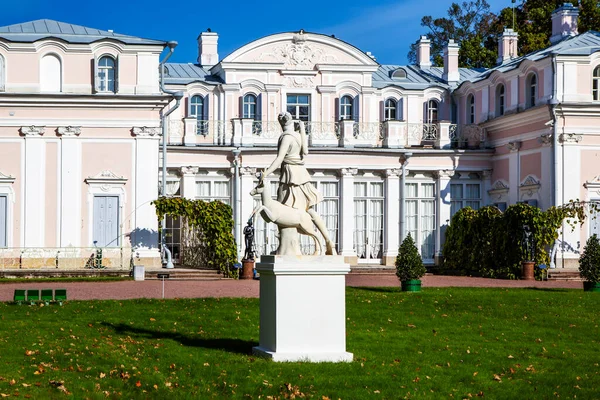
(416, 78)
(185, 73)
(29, 32)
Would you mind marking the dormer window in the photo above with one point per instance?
(531, 90)
(500, 100)
(400, 73)
(106, 75)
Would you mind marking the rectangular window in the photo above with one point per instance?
(328, 210)
(368, 220)
(106, 221)
(420, 217)
(595, 220)
(3, 220)
(173, 236)
(211, 190)
(501, 206)
(299, 106)
(464, 195)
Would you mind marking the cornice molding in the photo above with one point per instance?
(69, 130)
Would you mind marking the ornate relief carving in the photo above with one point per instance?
(393, 172)
(189, 170)
(444, 174)
(106, 180)
(570, 138)
(546, 139)
(348, 171)
(513, 146)
(530, 185)
(300, 82)
(499, 189)
(69, 130)
(486, 174)
(33, 130)
(298, 54)
(247, 171)
(145, 131)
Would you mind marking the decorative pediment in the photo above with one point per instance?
(69, 130)
(530, 185)
(32, 130)
(499, 189)
(145, 131)
(6, 178)
(593, 185)
(106, 177)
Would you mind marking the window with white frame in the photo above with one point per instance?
(432, 112)
(596, 83)
(211, 190)
(106, 74)
(50, 74)
(249, 106)
(471, 109)
(265, 234)
(420, 217)
(299, 106)
(198, 108)
(464, 195)
(500, 98)
(2, 74)
(106, 221)
(532, 90)
(328, 209)
(369, 215)
(346, 108)
(3, 220)
(390, 110)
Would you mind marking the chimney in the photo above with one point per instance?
(207, 48)
(424, 53)
(507, 46)
(451, 74)
(564, 22)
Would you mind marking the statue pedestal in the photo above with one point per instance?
(303, 308)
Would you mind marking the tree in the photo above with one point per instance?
(409, 264)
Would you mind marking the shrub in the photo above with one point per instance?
(409, 264)
(589, 262)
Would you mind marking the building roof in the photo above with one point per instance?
(416, 78)
(186, 73)
(32, 31)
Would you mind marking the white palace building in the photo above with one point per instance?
(393, 148)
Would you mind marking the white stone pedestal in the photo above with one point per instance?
(303, 308)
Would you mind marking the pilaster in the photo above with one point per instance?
(188, 182)
(443, 214)
(35, 185)
(347, 215)
(392, 214)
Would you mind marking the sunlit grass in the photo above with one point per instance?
(440, 343)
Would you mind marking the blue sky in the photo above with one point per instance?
(384, 27)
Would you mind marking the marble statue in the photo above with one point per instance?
(296, 195)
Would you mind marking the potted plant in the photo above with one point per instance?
(409, 266)
(589, 265)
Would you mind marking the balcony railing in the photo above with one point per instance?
(391, 134)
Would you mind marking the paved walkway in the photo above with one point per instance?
(247, 288)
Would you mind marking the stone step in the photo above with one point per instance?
(375, 269)
(184, 274)
(564, 275)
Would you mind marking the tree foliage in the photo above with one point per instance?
(589, 262)
(476, 29)
(207, 238)
(490, 243)
(409, 264)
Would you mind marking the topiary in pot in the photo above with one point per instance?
(409, 265)
(589, 265)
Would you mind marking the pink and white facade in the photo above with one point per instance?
(394, 149)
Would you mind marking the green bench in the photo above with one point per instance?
(33, 296)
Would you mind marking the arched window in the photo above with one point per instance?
(500, 100)
(346, 108)
(197, 107)
(432, 112)
(471, 109)
(106, 74)
(400, 73)
(2, 74)
(596, 83)
(390, 110)
(50, 74)
(532, 90)
(250, 106)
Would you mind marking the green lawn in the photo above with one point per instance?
(441, 343)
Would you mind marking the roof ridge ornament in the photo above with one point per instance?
(299, 38)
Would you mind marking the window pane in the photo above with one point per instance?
(473, 191)
(360, 189)
(456, 191)
(203, 189)
(411, 190)
(473, 204)
(377, 189)
(329, 189)
(221, 189)
(427, 190)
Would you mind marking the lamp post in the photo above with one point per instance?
(404, 161)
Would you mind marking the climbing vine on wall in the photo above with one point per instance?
(206, 232)
(490, 243)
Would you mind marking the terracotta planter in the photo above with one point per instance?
(413, 285)
(247, 269)
(591, 287)
(527, 270)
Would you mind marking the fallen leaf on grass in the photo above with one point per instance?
(138, 384)
(29, 352)
(497, 378)
(475, 373)
(152, 319)
(509, 356)
(26, 385)
(12, 382)
(102, 375)
(4, 395)
(412, 326)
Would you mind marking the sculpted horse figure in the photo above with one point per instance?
(284, 216)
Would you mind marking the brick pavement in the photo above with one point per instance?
(247, 288)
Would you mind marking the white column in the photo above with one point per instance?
(392, 213)
(71, 185)
(547, 177)
(347, 215)
(571, 177)
(188, 182)
(35, 185)
(514, 162)
(443, 211)
(144, 225)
